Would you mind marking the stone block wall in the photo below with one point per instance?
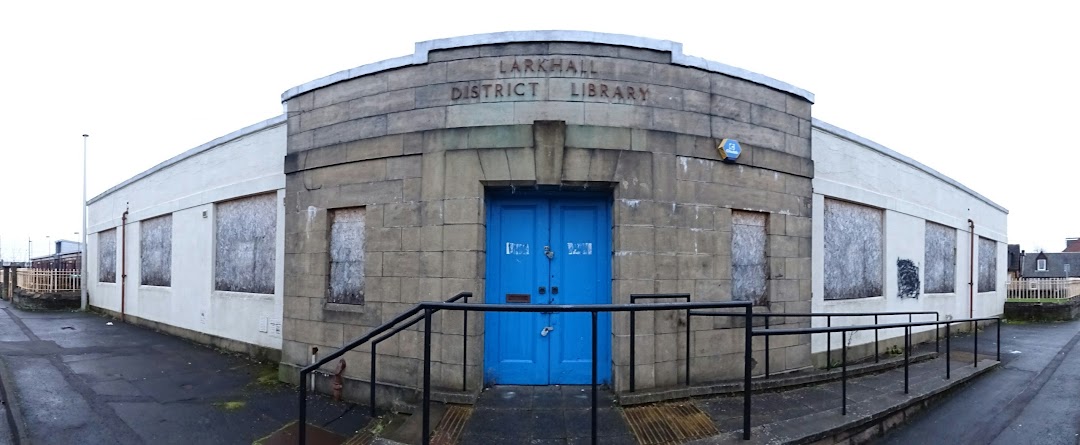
(418, 147)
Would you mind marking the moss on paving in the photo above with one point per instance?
(267, 376)
(231, 405)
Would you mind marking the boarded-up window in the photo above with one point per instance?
(853, 250)
(155, 251)
(107, 256)
(749, 268)
(987, 265)
(940, 259)
(347, 256)
(245, 254)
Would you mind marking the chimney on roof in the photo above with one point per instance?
(1072, 245)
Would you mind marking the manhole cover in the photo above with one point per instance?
(668, 423)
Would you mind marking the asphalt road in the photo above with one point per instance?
(1033, 398)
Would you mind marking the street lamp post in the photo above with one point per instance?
(82, 262)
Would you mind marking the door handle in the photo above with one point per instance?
(544, 332)
(554, 290)
(542, 290)
(548, 252)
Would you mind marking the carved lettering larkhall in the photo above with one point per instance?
(548, 67)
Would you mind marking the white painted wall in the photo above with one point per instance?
(247, 162)
(851, 168)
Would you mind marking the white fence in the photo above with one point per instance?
(1043, 288)
(39, 280)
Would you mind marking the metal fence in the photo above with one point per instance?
(843, 330)
(41, 280)
(1043, 288)
(742, 310)
(429, 309)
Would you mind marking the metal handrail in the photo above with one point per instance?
(594, 309)
(828, 322)
(383, 328)
(413, 322)
(907, 344)
(633, 332)
(865, 327)
(394, 326)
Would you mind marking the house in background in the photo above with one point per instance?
(1064, 264)
(1050, 265)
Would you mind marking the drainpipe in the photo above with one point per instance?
(123, 261)
(971, 271)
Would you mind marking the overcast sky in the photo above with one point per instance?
(984, 92)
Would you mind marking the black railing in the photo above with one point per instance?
(828, 323)
(767, 316)
(383, 332)
(907, 344)
(413, 322)
(594, 309)
(633, 331)
(428, 309)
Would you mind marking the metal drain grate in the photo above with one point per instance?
(671, 423)
(448, 432)
(361, 438)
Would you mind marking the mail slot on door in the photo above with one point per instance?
(518, 298)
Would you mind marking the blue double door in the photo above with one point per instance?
(547, 250)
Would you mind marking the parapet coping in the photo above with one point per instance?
(250, 129)
(842, 133)
(420, 57)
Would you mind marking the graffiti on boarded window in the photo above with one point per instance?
(246, 229)
(987, 265)
(907, 279)
(107, 256)
(749, 270)
(347, 256)
(853, 250)
(155, 251)
(940, 259)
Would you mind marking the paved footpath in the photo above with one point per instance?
(79, 380)
(1034, 398)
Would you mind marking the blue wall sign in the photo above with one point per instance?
(729, 150)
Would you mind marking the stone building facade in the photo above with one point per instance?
(415, 171)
